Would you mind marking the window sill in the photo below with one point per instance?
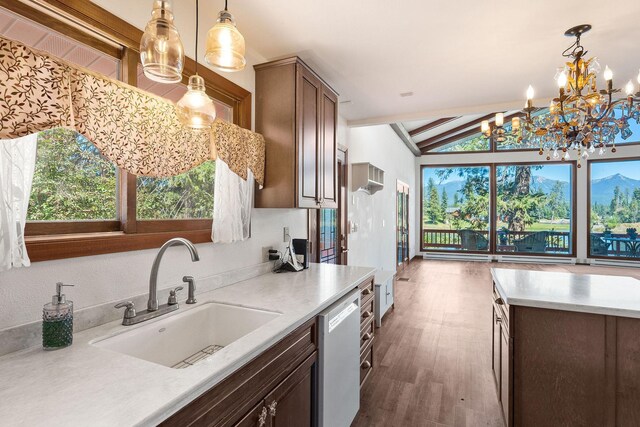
(62, 246)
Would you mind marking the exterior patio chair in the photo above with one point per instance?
(534, 242)
(473, 240)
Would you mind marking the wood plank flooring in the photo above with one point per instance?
(432, 359)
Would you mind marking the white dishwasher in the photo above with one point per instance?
(339, 362)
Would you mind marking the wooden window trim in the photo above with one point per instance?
(70, 239)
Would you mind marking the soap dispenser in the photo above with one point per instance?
(57, 321)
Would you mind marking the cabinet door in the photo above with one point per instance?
(329, 161)
(308, 146)
(290, 404)
(506, 394)
(256, 417)
(495, 349)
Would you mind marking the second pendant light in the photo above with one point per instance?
(195, 109)
(225, 44)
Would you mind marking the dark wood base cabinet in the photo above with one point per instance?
(564, 368)
(276, 389)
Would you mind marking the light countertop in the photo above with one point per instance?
(85, 385)
(587, 293)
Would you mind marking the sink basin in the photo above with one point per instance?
(183, 339)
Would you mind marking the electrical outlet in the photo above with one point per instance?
(286, 234)
(265, 253)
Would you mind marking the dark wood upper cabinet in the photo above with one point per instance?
(297, 113)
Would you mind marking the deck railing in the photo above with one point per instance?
(555, 241)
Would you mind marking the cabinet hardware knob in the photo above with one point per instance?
(262, 419)
(272, 408)
(366, 337)
(365, 365)
(366, 314)
(366, 291)
(498, 319)
(499, 301)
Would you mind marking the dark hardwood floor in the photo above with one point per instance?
(432, 360)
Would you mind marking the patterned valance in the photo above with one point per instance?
(136, 130)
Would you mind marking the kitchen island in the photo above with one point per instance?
(566, 348)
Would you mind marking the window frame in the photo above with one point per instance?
(588, 165)
(493, 208)
(110, 34)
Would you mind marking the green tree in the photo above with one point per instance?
(433, 208)
(456, 200)
(516, 202)
(444, 203)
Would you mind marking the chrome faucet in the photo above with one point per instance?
(131, 317)
(152, 304)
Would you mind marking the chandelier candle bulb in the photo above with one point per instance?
(608, 76)
(515, 124)
(499, 119)
(629, 88)
(484, 127)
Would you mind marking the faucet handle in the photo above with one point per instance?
(130, 311)
(173, 300)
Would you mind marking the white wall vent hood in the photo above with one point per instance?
(367, 178)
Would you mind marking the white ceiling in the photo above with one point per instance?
(457, 57)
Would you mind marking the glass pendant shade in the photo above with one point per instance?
(225, 44)
(195, 109)
(161, 50)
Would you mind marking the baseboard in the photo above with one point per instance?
(457, 257)
(535, 260)
(614, 263)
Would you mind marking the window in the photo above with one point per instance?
(185, 196)
(534, 208)
(614, 195)
(82, 204)
(473, 143)
(456, 208)
(72, 181)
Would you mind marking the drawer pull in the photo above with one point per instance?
(498, 320)
(366, 314)
(499, 301)
(262, 419)
(366, 337)
(366, 292)
(365, 365)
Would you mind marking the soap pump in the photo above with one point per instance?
(57, 321)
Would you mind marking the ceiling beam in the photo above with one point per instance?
(402, 133)
(464, 126)
(432, 125)
(469, 132)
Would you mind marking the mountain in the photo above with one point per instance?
(451, 187)
(602, 189)
(540, 183)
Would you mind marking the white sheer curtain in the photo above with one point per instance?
(17, 165)
(232, 204)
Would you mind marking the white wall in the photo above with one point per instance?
(374, 242)
(527, 156)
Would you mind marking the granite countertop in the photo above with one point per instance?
(85, 385)
(587, 293)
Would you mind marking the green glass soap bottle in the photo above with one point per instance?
(57, 321)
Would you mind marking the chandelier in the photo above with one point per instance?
(581, 120)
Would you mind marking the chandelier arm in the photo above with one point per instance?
(607, 110)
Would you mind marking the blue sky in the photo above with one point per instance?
(630, 169)
(556, 172)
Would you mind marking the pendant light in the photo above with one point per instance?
(195, 109)
(225, 44)
(161, 50)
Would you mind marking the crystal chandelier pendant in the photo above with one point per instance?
(161, 50)
(195, 109)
